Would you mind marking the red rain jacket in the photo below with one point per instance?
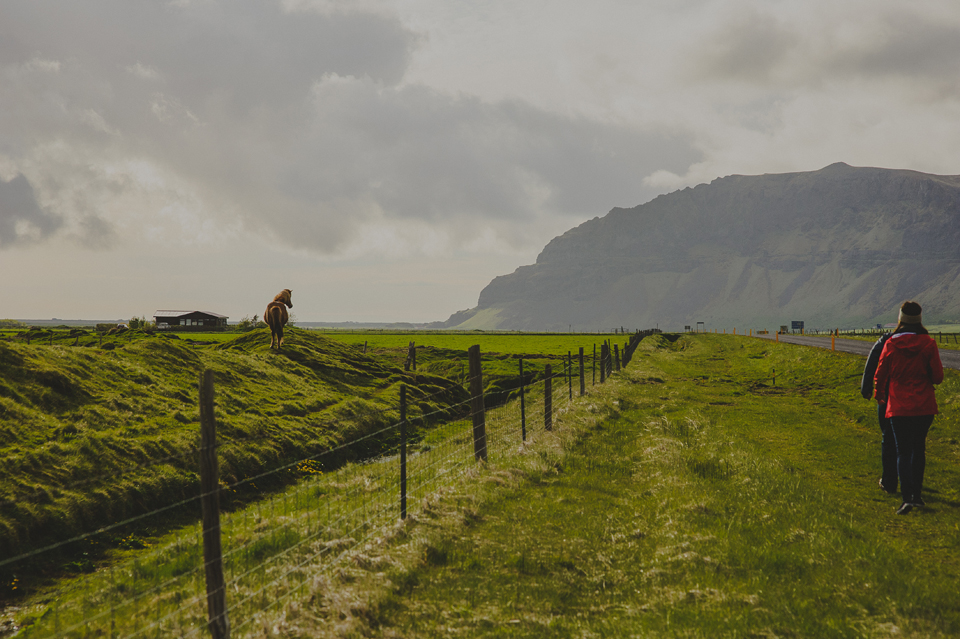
(909, 367)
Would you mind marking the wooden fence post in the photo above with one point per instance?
(616, 356)
(403, 451)
(603, 363)
(523, 406)
(548, 398)
(476, 404)
(570, 375)
(594, 366)
(583, 387)
(210, 503)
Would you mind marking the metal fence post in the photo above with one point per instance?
(583, 387)
(603, 363)
(548, 398)
(403, 451)
(476, 404)
(523, 406)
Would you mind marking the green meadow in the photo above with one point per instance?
(690, 496)
(697, 499)
(100, 429)
(98, 432)
(557, 344)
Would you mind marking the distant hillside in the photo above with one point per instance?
(842, 246)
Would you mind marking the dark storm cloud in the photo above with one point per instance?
(22, 220)
(132, 59)
(247, 52)
(750, 46)
(299, 122)
(756, 46)
(905, 45)
(414, 153)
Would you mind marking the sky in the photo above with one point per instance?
(385, 159)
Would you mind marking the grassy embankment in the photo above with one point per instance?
(91, 435)
(709, 503)
(145, 368)
(98, 429)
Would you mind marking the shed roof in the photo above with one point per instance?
(182, 313)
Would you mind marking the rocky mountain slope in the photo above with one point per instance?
(842, 246)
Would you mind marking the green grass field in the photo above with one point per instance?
(688, 497)
(501, 343)
(96, 430)
(708, 503)
(93, 434)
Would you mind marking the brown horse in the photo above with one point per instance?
(276, 317)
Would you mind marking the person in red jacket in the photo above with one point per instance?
(908, 369)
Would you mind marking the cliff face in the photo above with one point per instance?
(842, 246)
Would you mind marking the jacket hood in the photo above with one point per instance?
(909, 344)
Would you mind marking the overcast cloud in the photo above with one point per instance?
(311, 143)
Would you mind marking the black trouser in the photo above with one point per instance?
(888, 451)
(911, 435)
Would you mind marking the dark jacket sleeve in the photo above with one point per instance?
(870, 369)
(882, 378)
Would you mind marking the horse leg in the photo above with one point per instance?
(280, 337)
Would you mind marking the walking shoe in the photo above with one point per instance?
(917, 502)
(884, 488)
(904, 508)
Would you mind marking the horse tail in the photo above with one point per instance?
(276, 320)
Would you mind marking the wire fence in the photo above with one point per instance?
(275, 550)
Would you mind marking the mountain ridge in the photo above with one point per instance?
(839, 246)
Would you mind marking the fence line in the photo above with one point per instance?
(269, 557)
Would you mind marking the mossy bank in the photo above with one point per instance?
(91, 436)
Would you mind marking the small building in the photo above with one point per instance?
(189, 321)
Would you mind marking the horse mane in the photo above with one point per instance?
(284, 297)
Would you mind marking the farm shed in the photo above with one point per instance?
(190, 321)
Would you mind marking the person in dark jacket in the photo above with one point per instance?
(907, 371)
(888, 446)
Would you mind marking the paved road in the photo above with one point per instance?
(950, 358)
